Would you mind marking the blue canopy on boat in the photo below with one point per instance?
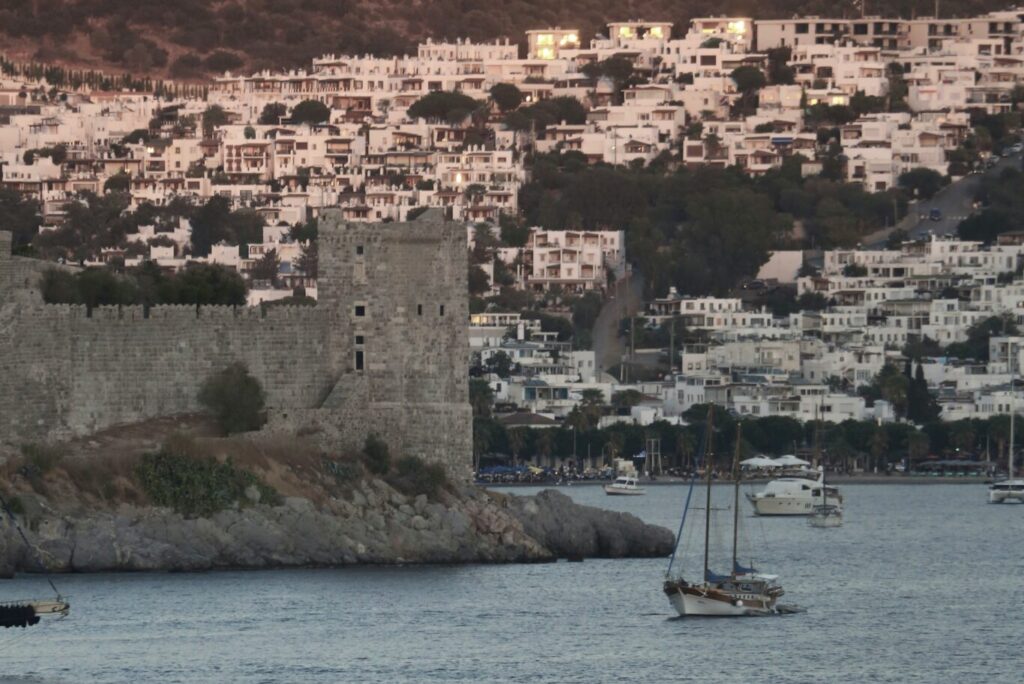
(740, 570)
(710, 576)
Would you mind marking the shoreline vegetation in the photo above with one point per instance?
(173, 495)
(865, 479)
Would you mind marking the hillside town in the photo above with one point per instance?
(845, 318)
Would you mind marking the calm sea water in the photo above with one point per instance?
(922, 584)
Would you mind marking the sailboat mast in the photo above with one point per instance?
(708, 452)
(736, 499)
(1013, 415)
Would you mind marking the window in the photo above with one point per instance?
(359, 339)
(359, 359)
(360, 310)
(359, 250)
(441, 309)
(419, 309)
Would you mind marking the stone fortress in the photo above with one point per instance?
(385, 350)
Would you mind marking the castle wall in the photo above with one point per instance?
(377, 354)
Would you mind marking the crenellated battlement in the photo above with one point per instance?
(385, 349)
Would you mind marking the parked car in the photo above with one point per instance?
(934, 215)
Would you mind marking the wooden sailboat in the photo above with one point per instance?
(1009, 489)
(744, 591)
(26, 613)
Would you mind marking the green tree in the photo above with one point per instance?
(309, 260)
(310, 112)
(479, 283)
(441, 105)
(921, 405)
(481, 397)
(922, 182)
(235, 399)
(267, 267)
(272, 114)
(748, 79)
(213, 117)
(507, 96)
(119, 182)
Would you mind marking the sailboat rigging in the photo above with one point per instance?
(26, 613)
(744, 591)
(824, 514)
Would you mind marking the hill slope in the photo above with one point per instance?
(192, 38)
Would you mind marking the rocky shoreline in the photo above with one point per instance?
(374, 524)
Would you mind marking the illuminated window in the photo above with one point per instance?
(546, 53)
(736, 27)
(656, 32)
(626, 32)
(545, 39)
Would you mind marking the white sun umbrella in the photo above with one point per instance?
(759, 462)
(790, 460)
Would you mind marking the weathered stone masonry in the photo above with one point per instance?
(385, 350)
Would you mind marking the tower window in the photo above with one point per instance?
(441, 309)
(359, 250)
(359, 339)
(359, 359)
(419, 309)
(360, 310)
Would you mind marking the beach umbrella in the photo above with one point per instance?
(759, 462)
(790, 460)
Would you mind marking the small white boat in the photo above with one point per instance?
(793, 496)
(1006, 490)
(826, 515)
(624, 486)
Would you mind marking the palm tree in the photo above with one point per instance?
(516, 442)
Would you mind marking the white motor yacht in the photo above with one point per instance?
(1006, 490)
(624, 485)
(794, 496)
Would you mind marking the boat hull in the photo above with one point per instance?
(621, 491)
(693, 601)
(782, 505)
(997, 496)
(825, 520)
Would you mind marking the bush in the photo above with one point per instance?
(188, 65)
(235, 398)
(195, 485)
(413, 477)
(40, 459)
(222, 60)
(376, 455)
(15, 505)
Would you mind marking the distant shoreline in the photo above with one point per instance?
(832, 479)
